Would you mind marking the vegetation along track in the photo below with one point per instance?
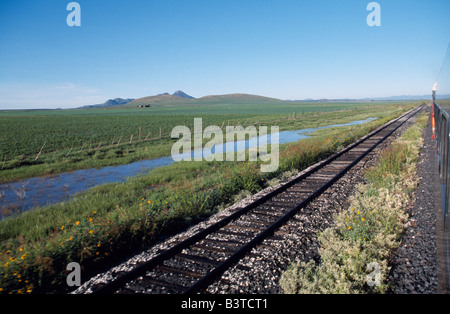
(191, 265)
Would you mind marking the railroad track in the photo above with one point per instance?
(191, 265)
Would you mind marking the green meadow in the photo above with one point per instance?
(98, 227)
(36, 143)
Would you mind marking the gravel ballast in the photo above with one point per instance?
(414, 266)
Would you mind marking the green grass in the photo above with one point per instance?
(366, 233)
(99, 225)
(82, 139)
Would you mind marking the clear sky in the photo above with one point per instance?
(287, 49)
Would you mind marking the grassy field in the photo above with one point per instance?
(98, 226)
(36, 143)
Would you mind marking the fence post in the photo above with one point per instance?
(40, 152)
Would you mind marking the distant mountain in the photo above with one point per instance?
(110, 103)
(180, 98)
(182, 94)
(443, 96)
(404, 97)
(391, 98)
(161, 99)
(237, 99)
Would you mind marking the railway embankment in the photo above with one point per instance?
(417, 266)
(372, 238)
(260, 270)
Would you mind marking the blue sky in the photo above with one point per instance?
(287, 49)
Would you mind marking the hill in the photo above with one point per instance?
(182, 94)
(237, 99)
(110, 103)
(177, 99)
(180, 98)
(162, 99)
